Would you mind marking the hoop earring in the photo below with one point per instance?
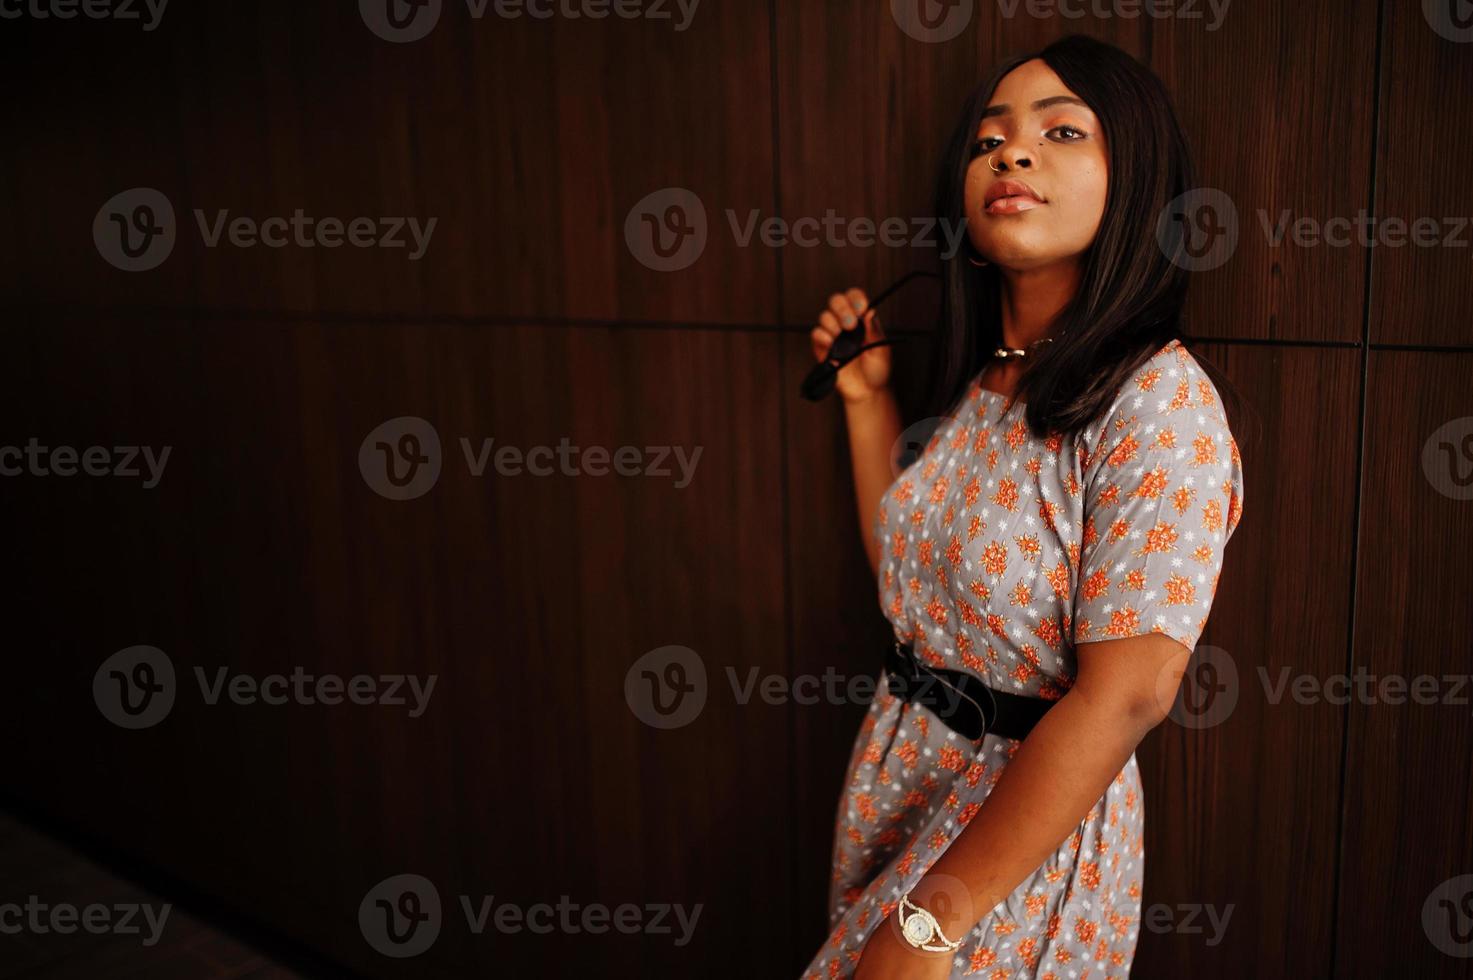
(969, 250)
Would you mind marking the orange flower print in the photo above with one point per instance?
(1006, 496)
(1058, 578)
(995, 559)
(1127, 451)
(1204, 450)
(1180, 591)
(1124, 622)
(980, 959)
(1160, 538)
(1182, 498)
(952, 758)
(1095, 586)
(1152, 485)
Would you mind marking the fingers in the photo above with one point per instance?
(843, 313)
(847, 306)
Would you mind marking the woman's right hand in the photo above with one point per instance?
(870, 371)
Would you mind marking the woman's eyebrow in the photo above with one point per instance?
(1004, 109)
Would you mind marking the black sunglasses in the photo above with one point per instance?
(850, 344)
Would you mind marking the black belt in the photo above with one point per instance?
(967, 705)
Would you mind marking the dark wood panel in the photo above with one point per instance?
(1409, 793)
(1276, 103)
(1241, 804)
(1420, 293)
(528, 141)
(264, 548)
(864, 111)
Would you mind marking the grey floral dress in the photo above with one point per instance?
(1000, 553)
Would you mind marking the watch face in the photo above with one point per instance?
(917, 929)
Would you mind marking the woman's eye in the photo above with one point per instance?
(1078, 134)
(985, 145)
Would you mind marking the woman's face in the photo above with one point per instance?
(1038, 132)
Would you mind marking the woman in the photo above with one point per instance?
(1059, 539)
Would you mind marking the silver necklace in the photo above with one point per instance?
(1007, 352)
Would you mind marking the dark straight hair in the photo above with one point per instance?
(1132, 287)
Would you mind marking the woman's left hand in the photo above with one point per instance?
(888, 957)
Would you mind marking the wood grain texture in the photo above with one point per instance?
(1408, 791)
(528, 141)
(1420, 291)
(1241, 812)
(264, 549)
(1276, 104)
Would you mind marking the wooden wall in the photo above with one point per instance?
(1325, 827)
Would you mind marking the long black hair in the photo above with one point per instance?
(1132, 288)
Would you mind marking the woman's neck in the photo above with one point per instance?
(1032, 300)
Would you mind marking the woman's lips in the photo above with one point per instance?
(1013, 204)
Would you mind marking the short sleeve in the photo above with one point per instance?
(1163, 494)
